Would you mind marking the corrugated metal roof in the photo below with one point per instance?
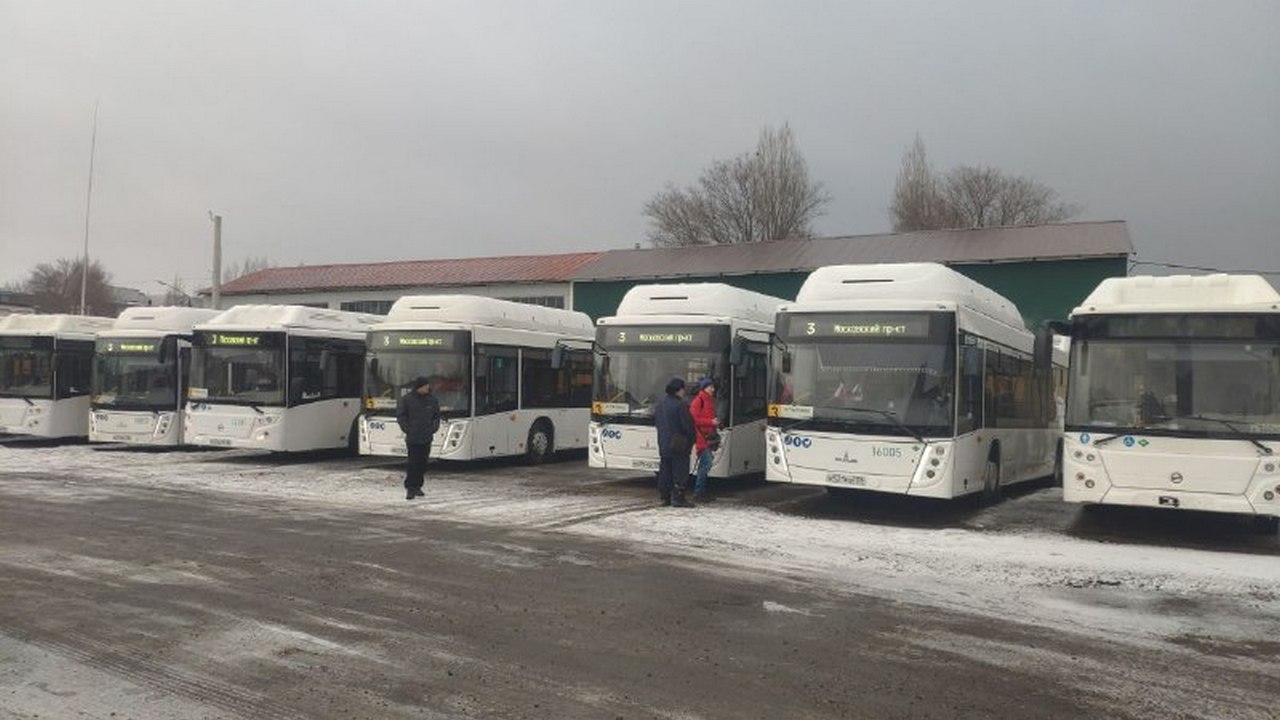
(413, 273)
(979, 245)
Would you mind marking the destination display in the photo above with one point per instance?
(419, 340)
(213, 338)
(880, 326)
(1195, 326)
(133, 346)
(656, 336)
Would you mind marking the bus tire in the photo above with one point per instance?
(992, 489)
(1266, 524)
(1057, 465)
(353, 437)
(541, 443)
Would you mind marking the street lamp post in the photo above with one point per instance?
(176, 289)
(217, 260)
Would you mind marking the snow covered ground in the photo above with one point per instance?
(1225, 601)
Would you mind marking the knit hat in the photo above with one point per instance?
(675, 385)
(419, 382)
(704, 382)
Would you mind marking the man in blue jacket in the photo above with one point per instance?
(675, 439)
(418, 414)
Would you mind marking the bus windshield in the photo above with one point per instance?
(238, 368)
(129, 374)
(638, 361)
(868, 372)
(1198, 386)
(26, 367)
(396, 358)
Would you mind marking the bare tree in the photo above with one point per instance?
(917, 193)
(765, 195)
(55, 288)
(969, 196)
(245, 267)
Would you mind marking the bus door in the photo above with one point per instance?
(497, 400)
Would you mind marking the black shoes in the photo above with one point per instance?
(414, 494)
(681, 502)
(704, 497)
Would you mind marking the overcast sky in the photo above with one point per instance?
(370, 131)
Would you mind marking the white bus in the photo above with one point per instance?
(689, 331)
(491, 367)
(909, 379)
(1174, 396)
(141, 368)
(46, 362)
(284, 378)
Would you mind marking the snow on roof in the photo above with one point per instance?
(485, 311)
(699, 299)
(1181, 294)
(57, 324)
(927, 282)
(264, 317)
(162, 319)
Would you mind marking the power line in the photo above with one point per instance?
(1200, 268)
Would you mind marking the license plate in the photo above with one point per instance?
(220, 441)
(645, 464)
(848, 480)
(120, 438)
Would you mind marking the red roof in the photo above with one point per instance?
(413, 273)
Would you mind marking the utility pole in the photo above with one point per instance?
(84, 265)
(217, 260)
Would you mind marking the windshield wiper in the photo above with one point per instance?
(1230, 426)
(256, 408)
(1164, 420)
(794, 425)
(1109, 438)
(893, 416)
(28, 401)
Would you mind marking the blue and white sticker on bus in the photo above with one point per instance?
(797, 441)
(611, 434)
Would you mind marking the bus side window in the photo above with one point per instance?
(73, 368)
(497, 379)
(580, 371)
(970, 398)
(750, 388)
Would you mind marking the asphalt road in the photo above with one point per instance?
(180, 599)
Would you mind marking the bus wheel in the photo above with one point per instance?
(353, 437)
(991, 488)
(541, 443)
(1266, 524)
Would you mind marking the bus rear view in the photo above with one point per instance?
(1174, 396)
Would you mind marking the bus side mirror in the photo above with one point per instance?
(557, 357)
(786, 361)
(736, 351)
(164, 349)
(373, 365)
(1042, 355)
(324, 359)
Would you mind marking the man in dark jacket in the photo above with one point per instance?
(418, 414)
(675, 438)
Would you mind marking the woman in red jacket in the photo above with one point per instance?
(705, 422)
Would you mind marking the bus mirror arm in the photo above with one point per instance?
(1042, 354)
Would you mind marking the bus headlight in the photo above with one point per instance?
(162, 424)
(266, 420)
